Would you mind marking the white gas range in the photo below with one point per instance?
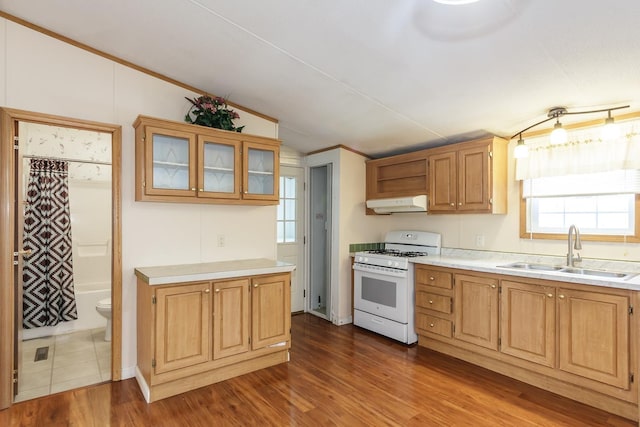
(384, 298)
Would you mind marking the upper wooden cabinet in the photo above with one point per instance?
(181, 162)
(469, 177)
(402, 175)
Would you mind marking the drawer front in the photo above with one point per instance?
(435, 302)
(439, 279)
(435, 325)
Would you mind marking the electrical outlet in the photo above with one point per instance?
(480, 240)
(221, 240)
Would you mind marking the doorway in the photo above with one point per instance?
(290, 230)
(95, 255)
(320, 232)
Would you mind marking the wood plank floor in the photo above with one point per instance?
(338, 376)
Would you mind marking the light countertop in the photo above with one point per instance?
(489, 262)
(168, 274)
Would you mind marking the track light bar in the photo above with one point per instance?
(557, 112)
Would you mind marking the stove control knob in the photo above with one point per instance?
(397, 264)
(389, 263)
(360, 259)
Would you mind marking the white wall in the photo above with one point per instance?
(42, 74)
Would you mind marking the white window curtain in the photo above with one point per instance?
(584, 153)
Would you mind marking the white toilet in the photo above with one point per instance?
(104, 308)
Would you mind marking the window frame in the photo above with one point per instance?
(524, 234)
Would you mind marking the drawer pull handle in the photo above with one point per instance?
(430, 302)
(431, 325)
(432, 278)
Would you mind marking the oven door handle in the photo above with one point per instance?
(383, 271)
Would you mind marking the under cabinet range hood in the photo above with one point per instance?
(398, 204)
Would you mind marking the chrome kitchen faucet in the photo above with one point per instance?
(571, 260)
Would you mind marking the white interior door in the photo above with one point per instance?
(290, 229)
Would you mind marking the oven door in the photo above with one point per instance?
(383, 292)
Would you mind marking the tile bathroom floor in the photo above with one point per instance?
(74, 360)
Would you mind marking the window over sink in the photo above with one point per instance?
(589, 181)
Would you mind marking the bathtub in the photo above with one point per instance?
(87, 295)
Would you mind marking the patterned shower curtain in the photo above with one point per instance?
(48, 295)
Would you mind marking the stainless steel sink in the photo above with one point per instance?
(570, 270)
(599, 273)
(530, 266)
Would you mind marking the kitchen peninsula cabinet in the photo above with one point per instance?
(181, 162)
(568, 338)
(181, 326)
(469, 177)
(236, 318)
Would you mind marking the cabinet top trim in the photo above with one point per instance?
(202, 130)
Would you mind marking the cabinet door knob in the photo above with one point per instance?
(201, 189)
(561, 296)
(459, 203)
(493, 286)
(217, 290)
(432, 278)
(255, 285)
(453, 204)
(430, 302)
(193, 188)
(550, 295)
(206, 291)
(431, 325)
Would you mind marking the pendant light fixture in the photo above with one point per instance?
(610, 130)
(559, 135)
(521, 151)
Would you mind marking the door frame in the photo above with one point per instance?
(301, 206)
(8, 119)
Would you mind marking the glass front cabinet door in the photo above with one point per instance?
(219, 164)
(172, 168)
(260, 178)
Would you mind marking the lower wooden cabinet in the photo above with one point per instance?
(182, 326)
(528, 322)
(230, 318)
(594, 336)
(193, 334)
(476, 310)
(572, 339)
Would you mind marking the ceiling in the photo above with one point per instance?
(378, 76)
